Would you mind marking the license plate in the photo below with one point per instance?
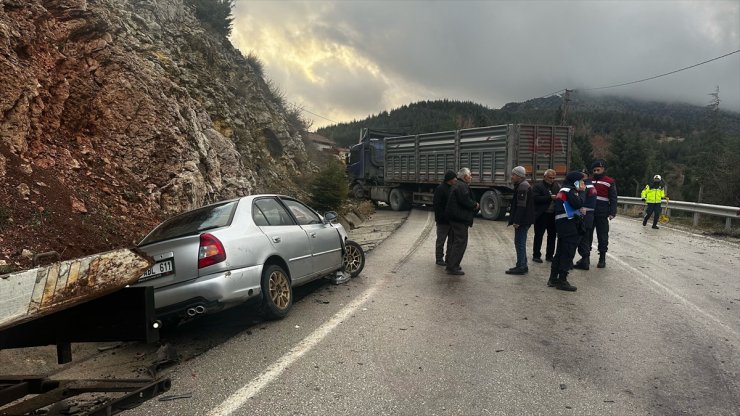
(160, 269)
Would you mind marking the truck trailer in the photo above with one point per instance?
(402, 170)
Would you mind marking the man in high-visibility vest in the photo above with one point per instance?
(653, 194)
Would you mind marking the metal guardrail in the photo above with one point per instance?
(697, 208)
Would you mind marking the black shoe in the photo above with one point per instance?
(564, 285)
(441, 263)
(602, 261)
(582, 265)
(656, 227)
(517, 271)
(553, 280)
(644, 224)
(455, 272)
(536, 259)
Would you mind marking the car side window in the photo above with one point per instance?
(268, 211)
(302, 213)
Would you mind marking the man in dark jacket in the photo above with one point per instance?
(544, 194)
(460, 211)
(521, 217)
(606, 208)
(568, 217)
(444, 229)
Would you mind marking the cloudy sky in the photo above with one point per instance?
(345, 60)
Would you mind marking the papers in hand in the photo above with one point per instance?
(569, 211)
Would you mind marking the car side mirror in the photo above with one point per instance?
(330, 216)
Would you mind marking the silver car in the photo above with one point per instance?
(256, 247)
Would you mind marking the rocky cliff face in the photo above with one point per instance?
(115, 114)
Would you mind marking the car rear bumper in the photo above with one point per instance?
(215, 291)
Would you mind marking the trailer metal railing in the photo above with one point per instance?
(695, 207)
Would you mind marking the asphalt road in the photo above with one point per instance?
(657, 332)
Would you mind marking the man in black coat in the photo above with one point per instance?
(544, 194)
(460, 211)
(444, 229)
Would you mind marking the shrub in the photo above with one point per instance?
(329, 187)
(214, 14)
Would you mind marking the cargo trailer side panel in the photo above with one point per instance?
(484, 151)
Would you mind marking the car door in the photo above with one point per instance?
(326, 246)
(285, 235)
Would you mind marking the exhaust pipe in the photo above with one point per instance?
(200, 309)
(192, 312)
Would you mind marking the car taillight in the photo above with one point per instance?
(211, 251)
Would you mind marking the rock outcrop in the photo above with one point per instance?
(115, 114)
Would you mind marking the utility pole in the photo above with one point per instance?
(566, 100)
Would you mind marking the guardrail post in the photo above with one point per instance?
(728, 224)
(696, 219)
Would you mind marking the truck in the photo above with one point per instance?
(402, 170)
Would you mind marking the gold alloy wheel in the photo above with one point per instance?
(352, 259)
(279, 289)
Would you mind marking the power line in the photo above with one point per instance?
(317, 115)
(646, 79)
(662, 75)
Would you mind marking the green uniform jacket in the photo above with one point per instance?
(652, 195)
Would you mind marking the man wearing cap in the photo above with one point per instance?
(521, 217)
(444, 229)
(653, 195)
(460, 211)
(605, 211)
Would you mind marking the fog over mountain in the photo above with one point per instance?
(347, 59)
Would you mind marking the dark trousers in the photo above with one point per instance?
(459, 244)
(652, 208)
(545, 222)
(601, 225)
(444, 233)
(564, 253)
(520, 245)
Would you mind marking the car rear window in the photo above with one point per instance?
(193, 222)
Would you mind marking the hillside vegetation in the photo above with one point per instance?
(696, 149)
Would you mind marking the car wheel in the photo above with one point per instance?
(354, 258)
(277, 292)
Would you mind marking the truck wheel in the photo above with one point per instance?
(491, 205)
(358, 192)
(397, 200)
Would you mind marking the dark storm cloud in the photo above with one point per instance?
(494, 52)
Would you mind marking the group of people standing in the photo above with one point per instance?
(569, 214)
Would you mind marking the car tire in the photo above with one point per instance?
(277, 298)
(354, 258)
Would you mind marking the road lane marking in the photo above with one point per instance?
(241, 396)
(238, 399)
(680, 298)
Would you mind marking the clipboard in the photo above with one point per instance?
(569, 211)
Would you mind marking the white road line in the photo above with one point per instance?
(683, 300)
(241, 396)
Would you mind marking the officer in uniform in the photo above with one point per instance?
(569, 225)
(653, 195)
(605, 211)
(584, 246)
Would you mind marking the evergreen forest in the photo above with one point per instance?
(695, 149)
